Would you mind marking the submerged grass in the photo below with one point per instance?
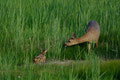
(28, 25)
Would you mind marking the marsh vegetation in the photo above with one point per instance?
(28, 25)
